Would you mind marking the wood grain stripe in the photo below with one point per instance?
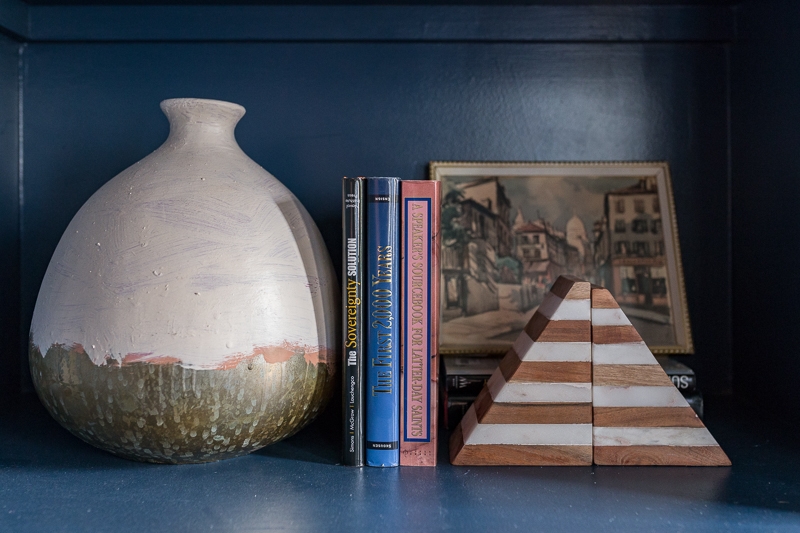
(614, 335)
(571, 288)
(646, 417)
(516, 413)
(602, 299)
(456, 443)
(509, 365)
(625, 375)
(661, 455)
(546, 371)
(510, 454)
(483, 403)
(540, 329)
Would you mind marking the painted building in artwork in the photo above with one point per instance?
(579, 238)
(490, 194)
(629, 245)
(469, 268)
(544, 253)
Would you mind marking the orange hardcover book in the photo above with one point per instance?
(420, 215)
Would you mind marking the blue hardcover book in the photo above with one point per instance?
(383, 322)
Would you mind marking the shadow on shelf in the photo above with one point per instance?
(316, 443)
(39, 442)
(765, 475)
(763, 450)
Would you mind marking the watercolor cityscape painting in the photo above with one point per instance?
(510, 229)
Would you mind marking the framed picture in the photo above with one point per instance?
(510, 229)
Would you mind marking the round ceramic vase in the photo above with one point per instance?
(189, 312)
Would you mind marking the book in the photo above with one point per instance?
(695, 401)
(463, 378)
(420, 208)
(466, 376)
(383, 322)
(353, 322)
(681, 375)
(455, 409)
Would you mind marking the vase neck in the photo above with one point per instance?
(193, 121)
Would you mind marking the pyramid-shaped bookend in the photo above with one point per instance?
(536, 409)
(580, 386)
(640, 418)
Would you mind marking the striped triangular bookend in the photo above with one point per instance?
(640, 418)
(536, 409)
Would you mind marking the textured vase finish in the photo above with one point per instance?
(189, 312)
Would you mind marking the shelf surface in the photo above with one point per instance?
(51, 481)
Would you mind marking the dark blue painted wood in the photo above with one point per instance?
(9, 217)
(380, 23)
(378, 2)
(51, 481)
(14, 18)
(765, 86)
(320, 111)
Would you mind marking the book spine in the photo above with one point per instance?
(353, 327)
(695, 401)
(420, 213)
(681, 375)
(455, 409)
(684, 382)
(465, 385)
(383, 322)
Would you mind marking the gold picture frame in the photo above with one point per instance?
(506, 236)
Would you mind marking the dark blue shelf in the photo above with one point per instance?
(51, 481)
(331, 90)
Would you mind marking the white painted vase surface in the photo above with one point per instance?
(189, 312)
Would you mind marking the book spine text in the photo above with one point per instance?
(383, 322)
(353, 326)
(420, 206)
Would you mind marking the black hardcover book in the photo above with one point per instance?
(454, 410)
(466, 385)
(681, 375)
(352, 314)
(695, 401)
(466, 376)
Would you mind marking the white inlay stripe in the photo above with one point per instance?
(531, 434)
(605, 436)
(527, 350)
(637, 396)
(609, 317)
(622, 354)
(554, 308)
(503, 392)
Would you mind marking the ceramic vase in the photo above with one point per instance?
(189, 312)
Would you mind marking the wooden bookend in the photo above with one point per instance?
(639, 417)
(536, 409)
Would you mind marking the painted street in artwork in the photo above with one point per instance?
(506, 239)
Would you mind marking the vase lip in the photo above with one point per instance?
(232, 110)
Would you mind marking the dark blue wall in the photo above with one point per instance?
(9, 216)
(319, 111)
(765, 86)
